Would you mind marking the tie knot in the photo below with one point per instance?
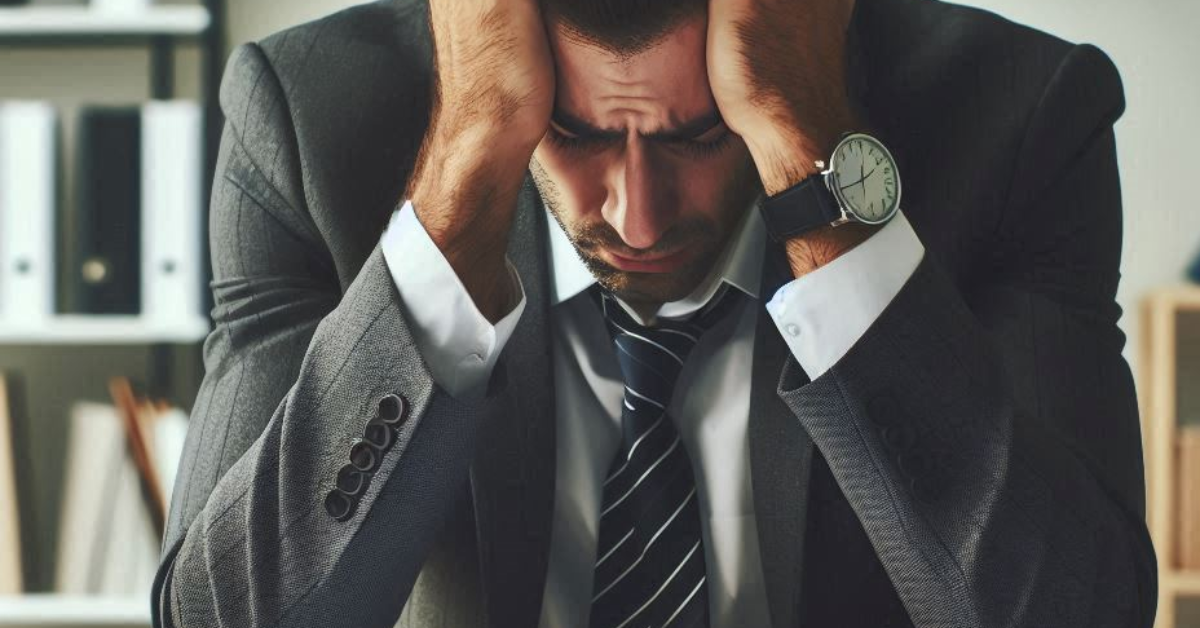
(654, 355)
(694, 325)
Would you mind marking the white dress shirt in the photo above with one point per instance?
(820, 315)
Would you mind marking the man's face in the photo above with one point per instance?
(637, 167)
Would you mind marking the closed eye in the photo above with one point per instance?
(693, 147)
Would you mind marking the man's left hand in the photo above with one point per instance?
(777, 69)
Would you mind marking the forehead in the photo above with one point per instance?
(662, 85)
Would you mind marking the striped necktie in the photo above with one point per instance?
(650, 556)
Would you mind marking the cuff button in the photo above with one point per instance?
(364, 457)
(351, 481)
(338, 505)
(393, 410)
(379, 434)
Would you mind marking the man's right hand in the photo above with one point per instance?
(492, 101)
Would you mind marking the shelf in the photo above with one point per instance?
(1186, 582)
(97, 329)
(48, 610)
(1182, 297)
(82, 21)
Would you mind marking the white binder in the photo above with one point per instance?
(171, 214)
(28, 139)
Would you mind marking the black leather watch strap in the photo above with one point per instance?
(804, 206)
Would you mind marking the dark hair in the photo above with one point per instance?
(623, 27)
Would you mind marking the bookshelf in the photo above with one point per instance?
(61, 347)
(1159, 400)
(82, 21)
(59, 611)
(100, 330)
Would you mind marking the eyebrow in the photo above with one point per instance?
(687, 131)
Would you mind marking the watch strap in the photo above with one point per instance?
(802, 207)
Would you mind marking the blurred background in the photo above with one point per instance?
(108, 124)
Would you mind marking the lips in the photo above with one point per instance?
(658, 264)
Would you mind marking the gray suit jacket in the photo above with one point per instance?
(974, 460)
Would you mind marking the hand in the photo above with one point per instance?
(777, 69)
(494, 91)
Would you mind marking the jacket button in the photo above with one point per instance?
(924, 490)
(351, 481)
(914, 465)
(379, 434)
(338, 505)
(898, 437)
(364, 457)
(393, 410)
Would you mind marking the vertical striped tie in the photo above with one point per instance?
(650, 557)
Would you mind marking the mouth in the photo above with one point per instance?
(647, 264)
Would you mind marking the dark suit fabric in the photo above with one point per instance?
(973, 460)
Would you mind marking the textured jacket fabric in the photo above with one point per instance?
(973, 460)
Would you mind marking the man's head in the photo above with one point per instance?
(637, 163)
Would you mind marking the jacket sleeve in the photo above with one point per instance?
(295, 370)
(987, 434)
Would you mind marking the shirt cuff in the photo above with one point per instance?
(822, 314)
(460, 346)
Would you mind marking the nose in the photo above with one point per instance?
(640, 205)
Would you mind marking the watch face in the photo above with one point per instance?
(866, 179)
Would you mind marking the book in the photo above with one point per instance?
(135, 419)
(10, 529)
(1189, 498)
(28, 156)
(101, 243)
(110, 533)
(172, 231)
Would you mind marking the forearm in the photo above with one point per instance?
(272, 507)
(464, 190)
(458, 343)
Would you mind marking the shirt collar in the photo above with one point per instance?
(740, 265)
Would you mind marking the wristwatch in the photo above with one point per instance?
(861, 184)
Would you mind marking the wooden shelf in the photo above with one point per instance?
(1182, 297)
(82, 21)
(103, 330)
(1182, 582)
(1158, 401)
(48, 610)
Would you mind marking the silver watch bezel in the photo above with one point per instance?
(829, 177)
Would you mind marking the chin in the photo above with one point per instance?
(650, 287)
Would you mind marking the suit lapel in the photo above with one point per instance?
(780, 453)
(512, 478)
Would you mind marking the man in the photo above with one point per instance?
(548, 316)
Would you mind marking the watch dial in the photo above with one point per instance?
(866, 178)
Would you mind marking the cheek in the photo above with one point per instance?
(579, 184)
(702, 184)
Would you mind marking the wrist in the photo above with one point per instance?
(465, 198)
(785, 153)
(816, 248)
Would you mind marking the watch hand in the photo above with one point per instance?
(850, 185)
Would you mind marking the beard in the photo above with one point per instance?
(704, 237)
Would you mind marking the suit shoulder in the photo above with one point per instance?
(353, 89)
(962, 90)
(386, 30)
